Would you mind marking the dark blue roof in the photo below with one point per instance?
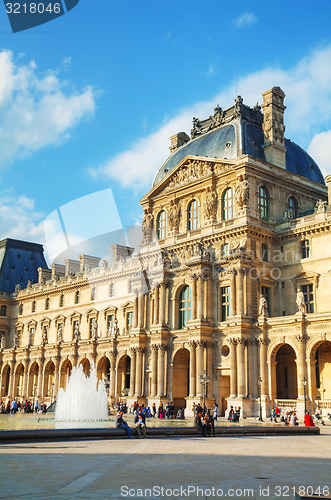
(19, 262)
(238, 138)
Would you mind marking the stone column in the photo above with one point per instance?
(140, 310)
(233, 368)
(210, 372)
(112, 373)
(210, 297)
(40, 378)
(233, 305)
(156, 305)
(25, 379)
(263, 366)
(132, 371)
(162, 303)
(135, 312)
(160, 374)
(193, 368)
(240, 292)
(253, 374)
(241, 368)
(11, 389)
(312, 383)
(56, 360)
(200, 365)
(301, 364)
(154, 349)
(200, 298)
(194, 297)
(139, 355)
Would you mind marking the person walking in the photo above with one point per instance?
(121, 424)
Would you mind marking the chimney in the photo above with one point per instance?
(273, 126)
(178, 140)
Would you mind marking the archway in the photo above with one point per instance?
(5, 381)
(103, 368)
(49, 380)
(323, 370)
(123, 376)
(33, 380)
(18, 383)
(286, 373)
(65, 373)
(181, 368)
(86, 366)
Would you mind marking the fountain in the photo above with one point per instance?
(84, 399)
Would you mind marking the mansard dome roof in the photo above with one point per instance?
(235, 132)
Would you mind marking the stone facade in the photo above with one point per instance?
(232, 279)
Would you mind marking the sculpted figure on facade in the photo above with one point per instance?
(192, 170)
(242, 191)
(16, 339)
(174, 216)
(300, 301)
(60, 333)
(320, 206)
(196, 129)
(263, 306)
(76, 333)
(2, 341)
(147, 226)
(45, 336)
(95, 329)
(210, 204)
(218, 116)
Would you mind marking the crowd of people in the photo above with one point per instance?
(28, 406)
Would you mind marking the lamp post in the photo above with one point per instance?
(260, 400)
(204, 378)
(52, 392)
(304, 381)
(34, 395)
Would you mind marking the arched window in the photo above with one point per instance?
(184, 306)
(227, 204)
(263, 197)
(193, 215)
(161, 225)
(293, 207)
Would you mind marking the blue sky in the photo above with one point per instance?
(89, 101)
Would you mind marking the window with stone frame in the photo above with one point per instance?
(47, 303)
(91, 326)
(77, 297)
(75, 326)
(33, 306)
(225, 302)
(225, 250)
(293, 207)
(227, 204)
(192, 215)
(3, 310)
(263, 203)
(184, 306)
(93, 293)
(161, 224)
(308, 293)
(129, 320)
(20, 309)
(111, 289)
(266, 292)
(61, 302)
(265, 252)
(305, 249)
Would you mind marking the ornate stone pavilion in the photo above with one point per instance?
(232, 282)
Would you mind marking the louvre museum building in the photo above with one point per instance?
(226, 300)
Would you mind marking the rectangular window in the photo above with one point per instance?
(129, 321)
(92, 321)
(61, 300)
(305, 249)
(93, 293)
(3, 310)
(47, 303)
(266, 292)
(33, 307)
(265, 253)
(225, 302)
(77, 297)
(308, 292)
(111, 290)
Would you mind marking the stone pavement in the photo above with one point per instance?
(236, 467)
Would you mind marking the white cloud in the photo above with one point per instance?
(246, 19)
(320, 150)
(36, 109)
(308, 89)
(19, 218)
